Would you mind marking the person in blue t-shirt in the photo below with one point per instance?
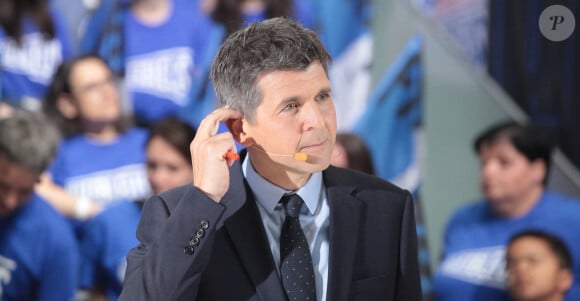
(515, 161)
(234, 15)
(38, 252)
(102, 159)
(33, 41)
(111, 234)
(155, 46)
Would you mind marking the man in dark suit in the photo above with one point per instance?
(280, 223)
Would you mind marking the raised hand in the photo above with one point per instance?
(208, 154)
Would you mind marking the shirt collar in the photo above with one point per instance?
(268, 195)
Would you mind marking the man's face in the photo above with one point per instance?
(506, 174)
(296, 115)
(166, 167)
(93, 87)
(16, 186)
(534, 272)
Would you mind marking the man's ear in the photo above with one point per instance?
(566, 279)
(66, 107)
(539, 170)
(236, 127)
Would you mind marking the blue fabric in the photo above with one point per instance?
(106, 239)
(202, 99)
(473, 264)
(304, 11)
(159, 74)
(104, 34)
(339, 22)
(26, 71)
(39, 257)
(103, 172)
(393, 111)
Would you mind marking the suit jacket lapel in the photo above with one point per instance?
(247, 233)
(344, 226)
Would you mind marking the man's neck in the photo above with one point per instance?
(278, 174)
(515, 208)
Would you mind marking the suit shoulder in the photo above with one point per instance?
(358, 180)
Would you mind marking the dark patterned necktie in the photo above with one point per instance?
(296, 268)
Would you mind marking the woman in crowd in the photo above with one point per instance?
(351, 151)
(111, 234)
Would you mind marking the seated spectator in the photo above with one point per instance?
(33, 41)
(539, 267)
(102, 158)
(235, 14)
(38, 252)
(155, 46)
(111, 234)
(350, 151)
(515, 161)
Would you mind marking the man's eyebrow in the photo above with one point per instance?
(288, 100)
(325, 90)
(291, 99)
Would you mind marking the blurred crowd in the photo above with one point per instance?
(111, 92)
(99, 101)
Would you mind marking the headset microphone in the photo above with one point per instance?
(302, 157)
(297, 156)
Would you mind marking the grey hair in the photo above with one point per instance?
(28, 140)
(271, 45)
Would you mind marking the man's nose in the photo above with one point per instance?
(313, 116)
(10, 201)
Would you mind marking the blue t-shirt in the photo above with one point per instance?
(39, 257)
(27, 70)
(303, 11)
(107, 239)
(473, 263)
(162, 60)
(103, 172)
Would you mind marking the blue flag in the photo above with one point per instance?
(392, 128)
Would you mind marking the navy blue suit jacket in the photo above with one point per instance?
(193, 248)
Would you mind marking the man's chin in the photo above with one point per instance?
(492, 195)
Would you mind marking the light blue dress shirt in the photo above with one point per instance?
(314, 219)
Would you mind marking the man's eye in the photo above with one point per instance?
(290, 106)
(323, 96)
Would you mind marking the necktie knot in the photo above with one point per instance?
(292, 204)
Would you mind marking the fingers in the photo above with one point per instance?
(210, 166)
(210, 124)
(213, 147)
(208, 153)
